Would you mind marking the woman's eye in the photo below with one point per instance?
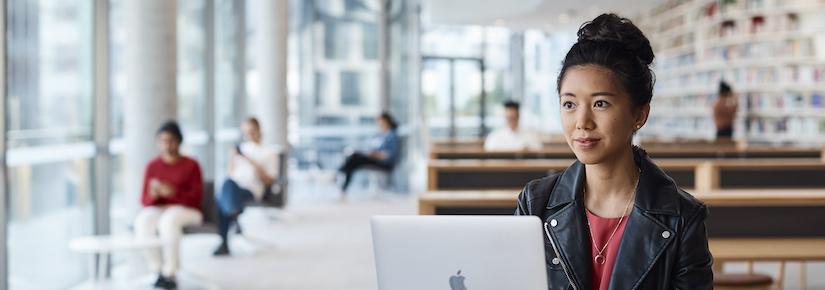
(568, 105)
(601, 104)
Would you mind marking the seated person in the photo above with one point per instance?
(511, 137)
(172, 191)
(252, 170)
(383, 152)
(724, 112)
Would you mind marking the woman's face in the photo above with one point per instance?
(597, 115)
(251, 131)
(168, 144)
(383, 124)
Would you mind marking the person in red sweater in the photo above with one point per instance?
(172, 192)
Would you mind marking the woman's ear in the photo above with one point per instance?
(641, 116)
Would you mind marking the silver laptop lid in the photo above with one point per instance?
(459, 252)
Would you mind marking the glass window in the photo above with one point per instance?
(191, 59)
(229, 94)
(350, 88)
(117, 66)
(338, 74)
(50, 110)
(191, 82)
(370, 34)
(320, 88)
(49, 72)
(50, 205)
(498, 83)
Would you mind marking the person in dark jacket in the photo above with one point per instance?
(382, 154)
(613, 219)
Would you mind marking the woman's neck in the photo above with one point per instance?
(610, 185)
(170, 158)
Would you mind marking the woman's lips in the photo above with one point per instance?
(587, 143)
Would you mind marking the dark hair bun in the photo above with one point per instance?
(612, 28)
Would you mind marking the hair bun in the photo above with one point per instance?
(612, 28)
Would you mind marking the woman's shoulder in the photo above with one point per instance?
(187, 161)
(533, 198)
(689, 205)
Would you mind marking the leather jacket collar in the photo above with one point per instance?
(646, 235)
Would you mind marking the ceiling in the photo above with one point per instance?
(545, 15)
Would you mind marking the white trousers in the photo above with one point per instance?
(165, 222)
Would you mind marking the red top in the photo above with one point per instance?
(184, 175)
(600, 229)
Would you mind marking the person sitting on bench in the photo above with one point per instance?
(172, 192)
(383, 152)
(512, 137)
(252, 170)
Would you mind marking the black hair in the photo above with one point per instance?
(510, 104)
(172, 128)
(615, 43)
(390, 120)
(724, 88)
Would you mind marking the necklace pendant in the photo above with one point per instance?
(600, 259)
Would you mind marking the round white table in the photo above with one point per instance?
(103, 246)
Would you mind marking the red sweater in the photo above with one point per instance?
(184, 175)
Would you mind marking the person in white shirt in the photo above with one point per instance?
(511, 137)
(252, 172)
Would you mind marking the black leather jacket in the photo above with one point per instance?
(664, 246)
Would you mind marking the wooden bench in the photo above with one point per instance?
(703, 175)
(781, 250)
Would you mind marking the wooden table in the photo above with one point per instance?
(768, 249)
(701, 174)
(472, 150)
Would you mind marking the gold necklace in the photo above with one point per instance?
(599, 258)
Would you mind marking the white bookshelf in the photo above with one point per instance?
(772, 52)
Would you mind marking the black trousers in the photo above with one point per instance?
(357, 161)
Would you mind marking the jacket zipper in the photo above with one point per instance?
(555, 250)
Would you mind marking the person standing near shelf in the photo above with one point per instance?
(724, 112)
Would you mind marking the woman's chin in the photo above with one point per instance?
(589, 156)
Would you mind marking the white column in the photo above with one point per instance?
(271, 25)
(384, 55)
(151, 69)
(4, 192)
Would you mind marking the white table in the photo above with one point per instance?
(102, 247)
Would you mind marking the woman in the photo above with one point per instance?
(172, 190)
(383, 152)
(613, 219)
(252, 171)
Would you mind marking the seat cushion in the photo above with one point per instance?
(206, 228)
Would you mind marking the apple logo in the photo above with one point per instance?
(457, 282)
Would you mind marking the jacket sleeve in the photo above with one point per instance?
(521, 203)
(534, 196)
(694, 265)
(145, 198)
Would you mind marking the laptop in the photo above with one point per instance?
(459, 252)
